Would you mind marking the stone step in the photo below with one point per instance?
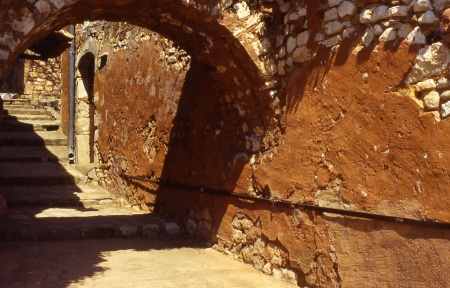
(19, 106)
(29, 125)
(27, 117)
(56, 195)
(28, 138)
(28, 111)
(38, 173)
(19, 101)
(43, 224)
(33, 153)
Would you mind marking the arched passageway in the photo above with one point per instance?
(210, 32)
(85, 127)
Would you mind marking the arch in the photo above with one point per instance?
(206, 29)
(85, 107)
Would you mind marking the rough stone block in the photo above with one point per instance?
(331, 15)
(171, 228)
(445, 109)
(150, 230)
(428, 18)
(426, 85)
(347, 8)
(242, 10)
(334, 27)
(333, 3)
(431, 100)
(83, 149)
(423, 5)
(128, 230)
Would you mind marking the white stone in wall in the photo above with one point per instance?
(426, 85)
(302, 12)
(372, 15)
(347, 8)
(319, 37)
(379, 13)
(302, 38)
(368, 37)
(389, 23)
(334, 27)
(440, 5)
(365, 16)
(289, 276)
(280, 68)
(331, 14)
(431, 100)
(261, 48)
(294, 16)
(428, 18)
(349, 32)
(43, 7)
(242, 10)
(377, 30)
(442, 83)
(333, 3)
(388, 35)
(431, 60)
(404, 30)
(445, 96)
(282, 52)
(398, 11)
(445, 109)
(416, 37)
(423, 5)
(59, 3)
(291, 43)
(302, 54)
(333, 41)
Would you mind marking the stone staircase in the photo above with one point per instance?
(45, 195)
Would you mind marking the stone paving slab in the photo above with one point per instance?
(66, 223)
(38, 173)
(56, 195)
(33, 153)
(125, 263)
(27, 138)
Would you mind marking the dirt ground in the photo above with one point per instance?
(124, 263)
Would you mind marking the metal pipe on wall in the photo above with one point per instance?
(71, 133)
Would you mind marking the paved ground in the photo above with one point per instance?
(124, 263)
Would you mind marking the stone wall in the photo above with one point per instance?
(42, 79)
(34, 79)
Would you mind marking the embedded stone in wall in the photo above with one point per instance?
(302, 54)
(347, 8)
(249, 246)
(445, 109)
(431, 100)
(426, 85)
(431, 60)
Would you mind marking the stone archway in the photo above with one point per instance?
(235, 44)
(85, 109)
